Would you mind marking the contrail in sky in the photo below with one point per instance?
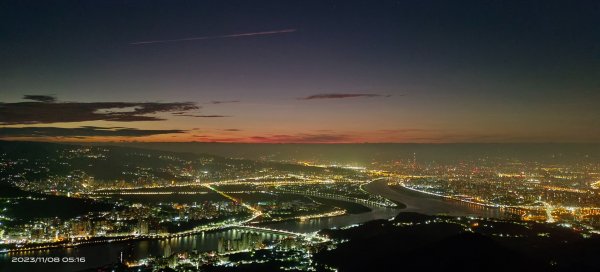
(218, 37)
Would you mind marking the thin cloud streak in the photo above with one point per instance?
(341, 95)
(262, 33)
(84, 131)
(40, 98)
(305, 138)
(216, 102)
(205, 116)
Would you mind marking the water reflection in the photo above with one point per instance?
(101, 254)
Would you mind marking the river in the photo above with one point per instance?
(100, 254)
(429, 204)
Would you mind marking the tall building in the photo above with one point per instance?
(143, 227)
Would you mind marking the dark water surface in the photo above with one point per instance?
(101, 254)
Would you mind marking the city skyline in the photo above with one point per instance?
(80, 207)
(311, 72)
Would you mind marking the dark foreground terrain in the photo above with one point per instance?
(416, 242)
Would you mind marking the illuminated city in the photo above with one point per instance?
(330, 136)
(266, 211)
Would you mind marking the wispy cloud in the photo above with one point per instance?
(216, 102)
(46, 109)
(205, 115)
(306, 138)
(238, 35)
(303, 138)
(40, 98)
(342, 95)
(84, 131)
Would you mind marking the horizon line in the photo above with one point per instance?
(296, 143)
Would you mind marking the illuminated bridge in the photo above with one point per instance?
(275, 231)
(308, 236)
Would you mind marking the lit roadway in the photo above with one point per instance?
(549, 209)
(259, 180)
(255, 213)
(221, 225)
(385, 203)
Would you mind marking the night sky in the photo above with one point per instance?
(300, 71)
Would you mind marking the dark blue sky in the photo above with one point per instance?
(378, 71)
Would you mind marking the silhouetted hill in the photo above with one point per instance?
(416, 242)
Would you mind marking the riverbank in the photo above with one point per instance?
(428, 204)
